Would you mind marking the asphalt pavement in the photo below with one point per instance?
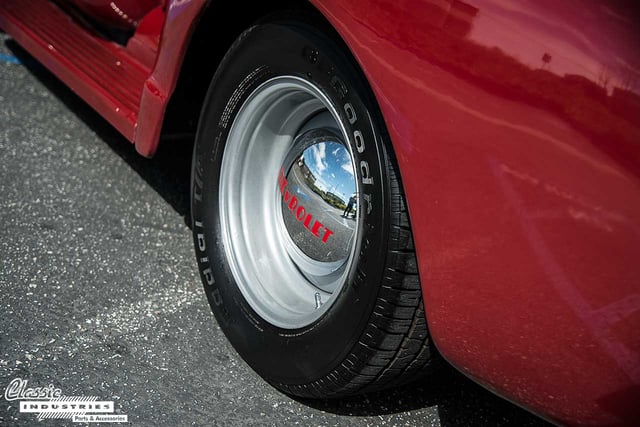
(100, 294)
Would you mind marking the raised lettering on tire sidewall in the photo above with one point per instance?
(314, 60)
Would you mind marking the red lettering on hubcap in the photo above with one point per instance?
(300, 213)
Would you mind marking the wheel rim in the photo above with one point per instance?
(287, 176)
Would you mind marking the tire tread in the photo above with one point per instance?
(395, 347)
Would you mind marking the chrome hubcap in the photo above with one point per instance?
(288, 204)
(316, 185)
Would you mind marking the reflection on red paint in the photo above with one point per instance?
(518, 140)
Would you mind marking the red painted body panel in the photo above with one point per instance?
(129, 85)
(101, 72)
(181, 21)
(516, 125)
(116, 13)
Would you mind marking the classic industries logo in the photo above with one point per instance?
(49, 402)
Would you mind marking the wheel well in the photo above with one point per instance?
(221, 23)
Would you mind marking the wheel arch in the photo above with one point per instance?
(186, 102)
(213, 34)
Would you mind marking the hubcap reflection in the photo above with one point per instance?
(318, 188)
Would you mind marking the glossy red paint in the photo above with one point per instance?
(124, 14)
(180, 22)
(101, 72)
(128, 85)
(516, 125)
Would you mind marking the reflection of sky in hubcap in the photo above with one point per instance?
(318, 196)
(330, 163)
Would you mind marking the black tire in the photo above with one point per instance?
(374, 335)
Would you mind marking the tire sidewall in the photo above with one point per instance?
(265, 51)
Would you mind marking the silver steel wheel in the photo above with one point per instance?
(301, 281)
(288, 202)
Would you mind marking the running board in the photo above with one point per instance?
(101, 72)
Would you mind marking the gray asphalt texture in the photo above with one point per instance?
(100, 294)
